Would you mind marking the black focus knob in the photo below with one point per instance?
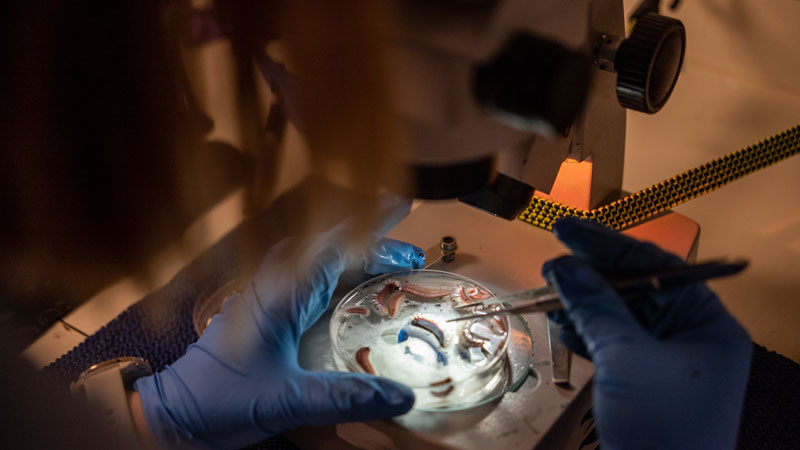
(649, 61)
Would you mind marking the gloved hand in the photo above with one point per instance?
(671, 368)
(241, 382)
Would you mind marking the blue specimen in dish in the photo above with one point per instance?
(423, 334)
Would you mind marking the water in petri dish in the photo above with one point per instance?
(396, 326)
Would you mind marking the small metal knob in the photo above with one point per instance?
(449, 246)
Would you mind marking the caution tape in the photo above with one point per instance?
(635, 208)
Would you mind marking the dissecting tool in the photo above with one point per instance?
(546, 298)
(560, 355)
(440, 258)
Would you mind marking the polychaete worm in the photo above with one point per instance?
(443, 393)
(429, 326)
(469, 338)
(423, 292)
(362, 358)
(447, 380)
(357, 310)
(472, 294)
(380, 299)
(395, 303)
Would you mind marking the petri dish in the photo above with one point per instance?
(395, 326)
(208, 305)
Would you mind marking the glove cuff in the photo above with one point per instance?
(165, 428)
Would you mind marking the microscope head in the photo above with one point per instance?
(493, 95)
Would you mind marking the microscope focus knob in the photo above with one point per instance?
(649, 61)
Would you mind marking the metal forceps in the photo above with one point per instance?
(546, 298)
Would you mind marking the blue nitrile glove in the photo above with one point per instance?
(389, 255)
(671, 368)
(241, 382)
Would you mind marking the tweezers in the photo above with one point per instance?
(628, 286)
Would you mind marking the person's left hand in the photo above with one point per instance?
(241, 382)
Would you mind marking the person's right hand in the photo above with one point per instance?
(671, 368)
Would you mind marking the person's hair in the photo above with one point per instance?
(104, 156)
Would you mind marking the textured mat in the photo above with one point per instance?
(771, 417)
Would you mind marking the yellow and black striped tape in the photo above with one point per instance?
(629, 211)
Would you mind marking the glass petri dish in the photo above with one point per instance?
(395, 326)
(208, 305)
